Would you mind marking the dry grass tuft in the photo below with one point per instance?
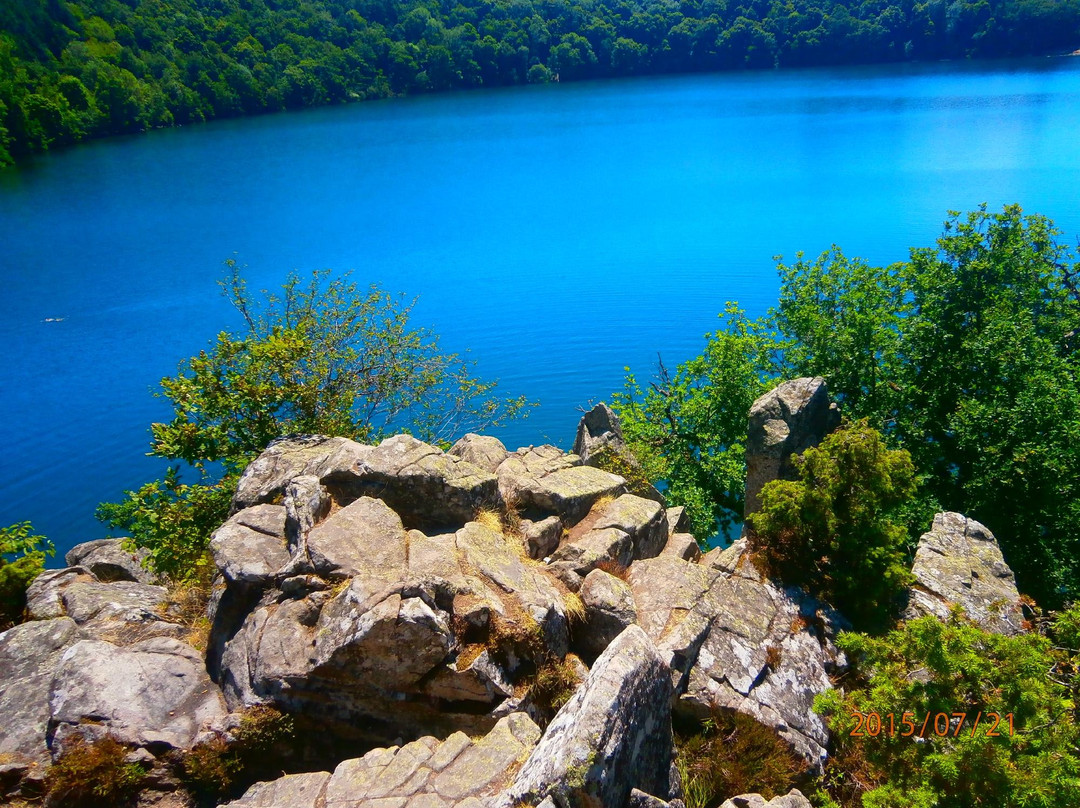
(93, 775)
(613, 567)
(575, 607)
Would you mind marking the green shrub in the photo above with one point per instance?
(831, 530)
(93, 775)
(928, 668)
(22, 558)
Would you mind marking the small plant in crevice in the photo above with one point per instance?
(552, 686)
(93, 775)
(732, 753)
(224, 767)
(613, 567)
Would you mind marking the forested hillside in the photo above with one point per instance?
(85, 68)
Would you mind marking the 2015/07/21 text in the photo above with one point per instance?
(940, 724)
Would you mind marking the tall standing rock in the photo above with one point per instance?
(785, 421)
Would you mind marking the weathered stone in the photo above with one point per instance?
(542, 480)
(958, 562)
(250, 547)
(109, 561)
(541, 538)
(643, 520)
(421, 482)
(44, 596)
(153, 693)
(684, 546)
(363, 540)
(29, 656)
(598, 429)
(577, 557)
(265, 478)
(290, 791)
(676, 519)
(612, 736)
(787, 420)
(482, 451)
(793, 799)
(609, 610)
(639, 799)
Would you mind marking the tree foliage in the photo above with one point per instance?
(830, 531)
(22, 558)
(321, 358)
(86, 68)
(965, 355)
(956, 674)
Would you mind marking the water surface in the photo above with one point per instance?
(561, 233)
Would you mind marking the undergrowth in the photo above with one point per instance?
(93, 775)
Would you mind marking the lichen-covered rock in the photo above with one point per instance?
(597, 430)
(265, 478)
(793, 799)
(544, 481)
(108, 561)
(543, 537)
(959, 562)
(364, 540)
(482, 451)
(426, 773)
(609, 610)
(44, 596)
(613, 735)
(29, 656)
(787, 420)
(684, 546)
(155, 693)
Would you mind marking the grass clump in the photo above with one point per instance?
(93, 775)
(553, 685)
(186, 602)
(732, 753)
(613, 567)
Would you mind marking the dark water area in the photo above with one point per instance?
(561, 233)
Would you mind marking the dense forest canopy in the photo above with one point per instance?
(75, 69)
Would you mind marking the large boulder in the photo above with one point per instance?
(155, 693)
(959, 563)
(29, 657)
(609, 610)
(482, 451)
(613, 735)
(598, 430)
(251, 546)
(542, 481)
(793, 799)
(787, 420)
(265, 478)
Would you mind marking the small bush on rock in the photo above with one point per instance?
(93, 775)
(831, 530)
(950, 716)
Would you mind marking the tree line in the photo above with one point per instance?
(76, 69)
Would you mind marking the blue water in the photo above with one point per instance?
(561, 232)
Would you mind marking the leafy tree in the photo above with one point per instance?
(22, 558)
(926, 684)
(831, 531)
(323, 358)
(688, 429)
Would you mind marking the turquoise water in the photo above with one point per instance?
(561, 232)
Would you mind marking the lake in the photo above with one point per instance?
(560, 232)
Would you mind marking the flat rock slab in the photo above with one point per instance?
(251, 546)
(958, 562)
(265, 478)
(363, 540)
(426, 773)
(109, 561)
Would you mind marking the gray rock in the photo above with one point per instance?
(959, 562)
(676, 519)
(29, 656)
(426, 486)
(639, 799)
(265, 478)
(643, 520)
(250, 547)
(684, 546)
(609, 610)
(290, 791)
(44, 596)
(741, 643)
(364, 540)
(541, 538)
(612, 736)
(109, 561)
(482, 451)
(598, 429)
(793, 799)
(787, 420)
(544, 481)
(154, 693)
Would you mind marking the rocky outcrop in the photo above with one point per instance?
(959, 563)
(598, 430)
(609, 610)
(613, 735)
(108, 560)
(738, 642)
(787, 420)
